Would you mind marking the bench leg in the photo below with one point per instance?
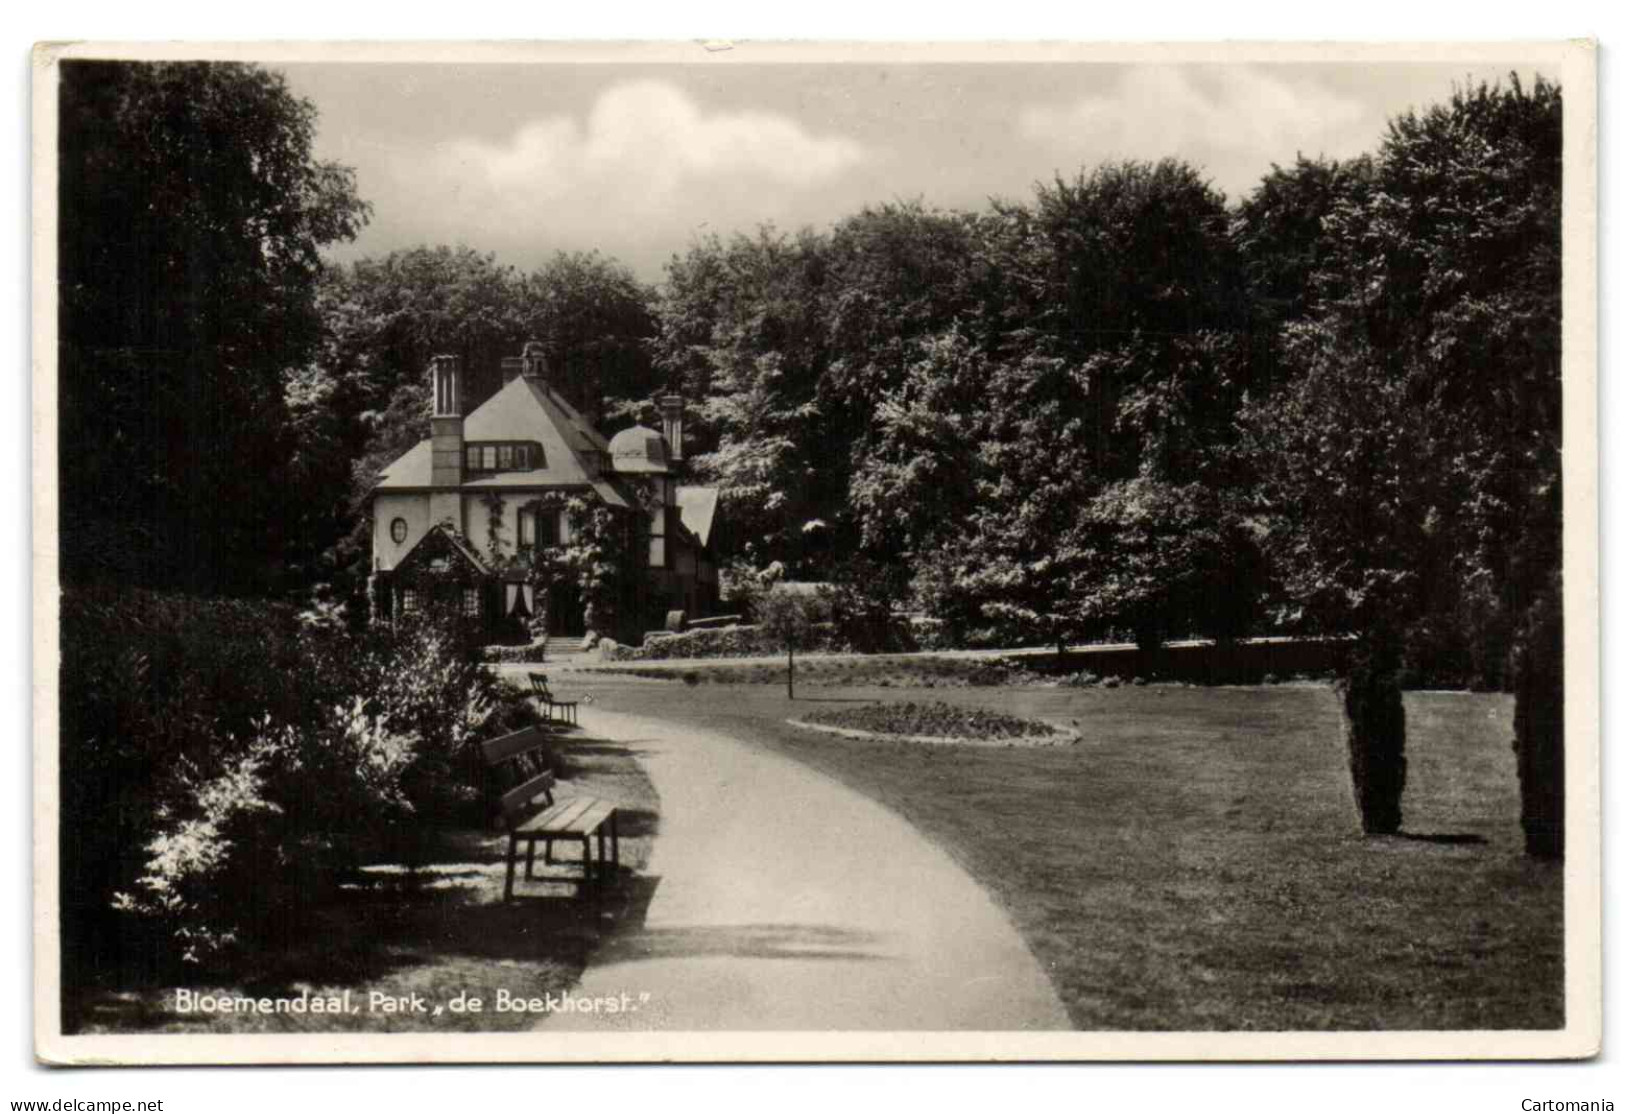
(549, 858)
(603, 859)
(615, 841)
(530, 860)
(586, 863)
(513, 857)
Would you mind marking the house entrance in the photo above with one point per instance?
(566, 616)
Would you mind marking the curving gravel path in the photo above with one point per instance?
(781, 900)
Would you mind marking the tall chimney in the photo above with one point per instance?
(533, 361)
(671, 419)
(446, 422)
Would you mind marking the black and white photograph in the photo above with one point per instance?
(759, 552)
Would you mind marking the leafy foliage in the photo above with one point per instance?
(193, 213)
(222, 759)
(788, 616)
(1164, 560)
(1413, 463)
(602, 557)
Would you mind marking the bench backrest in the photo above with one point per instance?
(519, 761)
(538, 685)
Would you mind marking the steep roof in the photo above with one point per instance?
(523, 410)
(638, 449)
(411, 469)
(697, 506)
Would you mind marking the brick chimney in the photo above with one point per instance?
(671, 420)
(446, 422)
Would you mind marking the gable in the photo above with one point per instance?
(410, 469)
(523, 410)
(697, 506)
(440, 551)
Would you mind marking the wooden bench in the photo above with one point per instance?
(531, 816)
(538, 688)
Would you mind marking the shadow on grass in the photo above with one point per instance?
(435, 930)
(383, 936)
(1447, 838)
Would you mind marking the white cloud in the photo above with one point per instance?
(1234, 120)
(651, 135)
(645, 156)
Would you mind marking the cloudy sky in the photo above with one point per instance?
(636, 160)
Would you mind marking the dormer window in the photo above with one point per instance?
(511, 456)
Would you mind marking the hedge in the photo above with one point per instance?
(724, 642)
(533, 653)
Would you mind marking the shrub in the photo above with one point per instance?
(723, 642)
(270, 828)
(431, 685)
(532, 653)
(1538, 737)
(861, 599)
(1165, 559)
(929, 634)
(150, 683)
(220, 760)
(1374, 730)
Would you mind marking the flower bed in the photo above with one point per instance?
(934, 720)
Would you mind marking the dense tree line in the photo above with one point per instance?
(1124, 406)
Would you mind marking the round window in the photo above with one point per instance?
(397, 530)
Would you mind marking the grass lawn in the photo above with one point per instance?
(440, 934)
(1195, 861)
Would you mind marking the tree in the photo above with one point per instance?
(597, 321)
(1161, 560)
(1280, 233)
(1100, 353)
(1414, 463)
(192, 216)
(742, 334)
(787, 616)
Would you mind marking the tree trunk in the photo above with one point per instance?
(1537, 738)
(792, 681)
(1374, 730)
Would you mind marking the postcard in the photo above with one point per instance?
(737, 551)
